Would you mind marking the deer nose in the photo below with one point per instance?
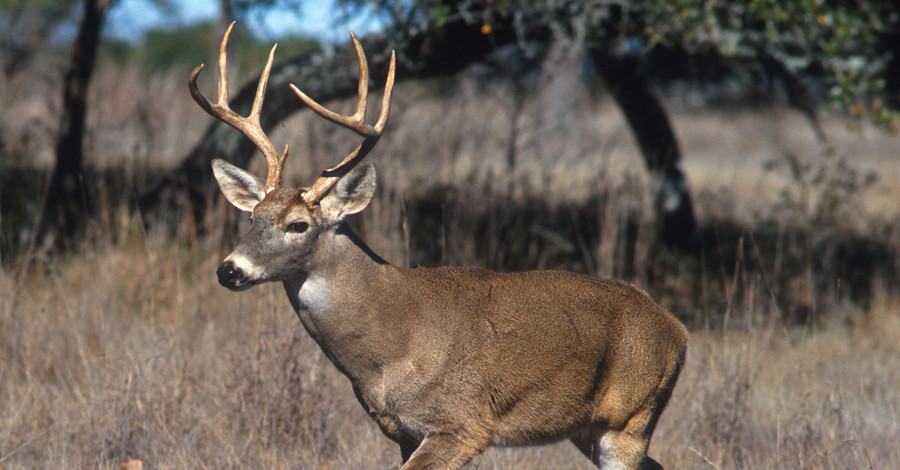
(229, 275)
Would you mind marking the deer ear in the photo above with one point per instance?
(351, 194)
(240, 187)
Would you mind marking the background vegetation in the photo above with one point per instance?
(125, 347)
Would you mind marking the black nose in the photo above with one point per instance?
(229, 275)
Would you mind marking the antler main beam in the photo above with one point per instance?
(355, 122)
(249, 126)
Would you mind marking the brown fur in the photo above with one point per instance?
(449, 361)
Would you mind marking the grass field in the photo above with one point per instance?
(129, 349)
(133, 351)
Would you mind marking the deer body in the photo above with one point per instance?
(492, 358)
(449, 361)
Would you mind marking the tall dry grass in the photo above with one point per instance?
(128, 348)
(131, 350)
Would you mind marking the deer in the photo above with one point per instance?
(448, 361)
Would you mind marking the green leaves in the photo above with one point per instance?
(839, 45)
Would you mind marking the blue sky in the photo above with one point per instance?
(128, 19)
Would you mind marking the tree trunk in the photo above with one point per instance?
(440, 52)
(68, 206)
(190, 185)
(650, 125)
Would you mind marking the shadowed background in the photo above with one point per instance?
(125, 347)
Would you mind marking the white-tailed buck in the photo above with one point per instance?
(448, 361)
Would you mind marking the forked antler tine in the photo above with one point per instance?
(249, 126)
(356, 122)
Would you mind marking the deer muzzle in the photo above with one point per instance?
(231, 276)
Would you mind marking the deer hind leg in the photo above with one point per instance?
(444, 451)
(617, 450)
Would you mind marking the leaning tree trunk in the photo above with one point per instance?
(443, 51)
(189, 186)
(651, 127)
(67, 207)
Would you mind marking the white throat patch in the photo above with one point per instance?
(313, 295)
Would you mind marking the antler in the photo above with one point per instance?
(357, 123)
(249, 126)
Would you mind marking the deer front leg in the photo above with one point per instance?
(444, 451)
(407, 447)
(391, 429)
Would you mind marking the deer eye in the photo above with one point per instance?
(298, 227)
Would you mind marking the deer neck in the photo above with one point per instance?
(337, 301)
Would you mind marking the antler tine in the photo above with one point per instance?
(249, 126)
(355, 122)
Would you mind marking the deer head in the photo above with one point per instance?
(290, 221)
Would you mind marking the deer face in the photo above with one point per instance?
(287, 238)
(287, 226)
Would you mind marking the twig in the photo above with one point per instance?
(29, 441)
(710, 462)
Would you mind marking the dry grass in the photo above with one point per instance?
(128, 349)
(134, 351)
(775, 398)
